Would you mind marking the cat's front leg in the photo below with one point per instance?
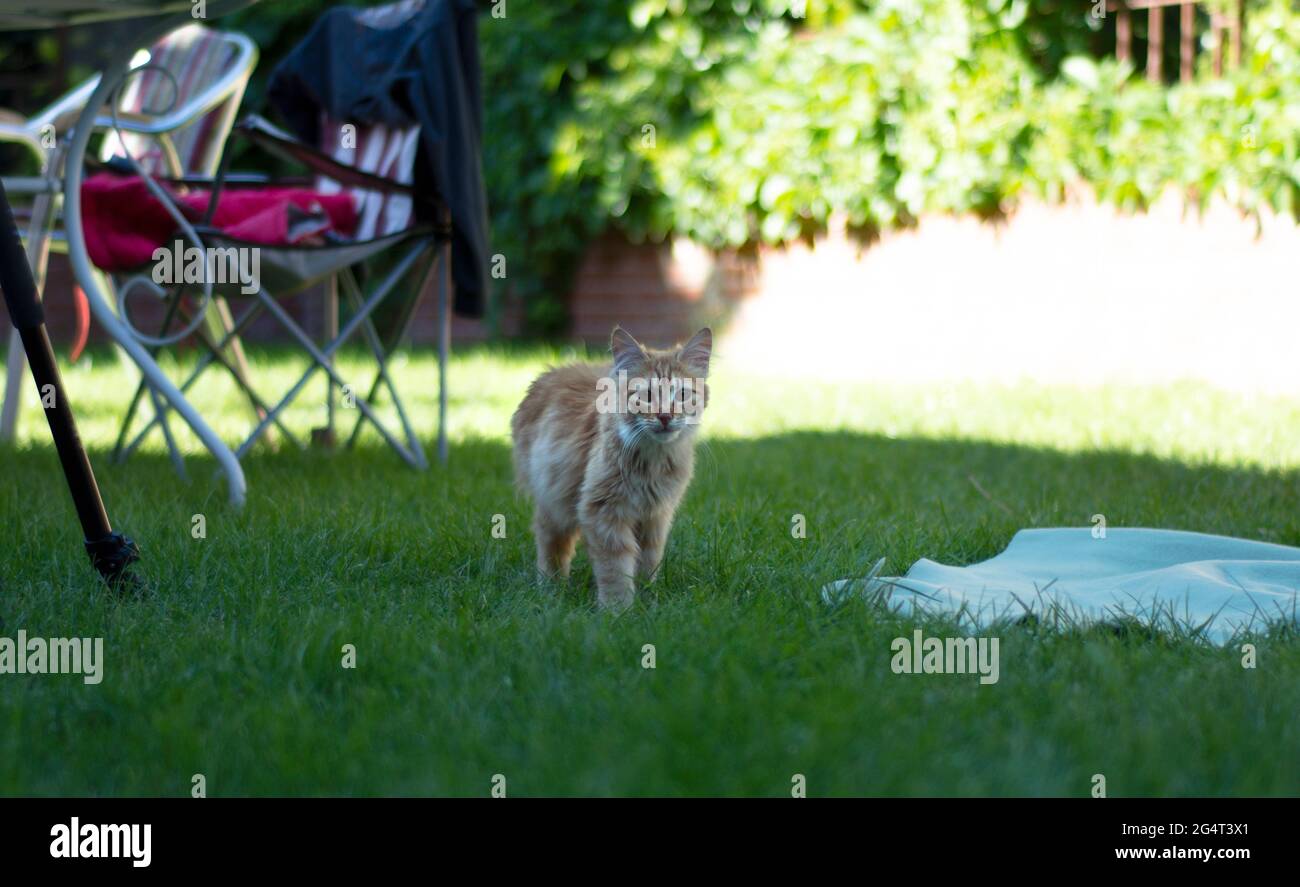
(613, 553)
(652, 536)
(555, 546)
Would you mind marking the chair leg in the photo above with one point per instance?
(377, 348)
(214, 355)
(321, 356)
(221, 327)
(173, 451)
(15, 366)
(330, 329)
(38, 256)
(444, 346)
(159, 409)
(109, 284)
(395, 338)
(119, 453)
(229, 464)
(81, 266)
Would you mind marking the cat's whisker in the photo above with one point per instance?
(707, 448)
(629, 441)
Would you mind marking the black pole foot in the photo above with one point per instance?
(112, 556)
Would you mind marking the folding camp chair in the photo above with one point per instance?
(375, 165)
(405, 223)
(173, 113)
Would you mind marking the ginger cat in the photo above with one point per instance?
(607, 452)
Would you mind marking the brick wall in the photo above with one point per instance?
(1161, 296)
(661, 293)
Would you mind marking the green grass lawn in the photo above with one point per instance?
(230, 666)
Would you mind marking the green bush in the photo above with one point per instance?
(766, 126)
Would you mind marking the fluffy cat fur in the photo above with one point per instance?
(612, 476)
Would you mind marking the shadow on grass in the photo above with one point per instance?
(232, 665)
(860, 496)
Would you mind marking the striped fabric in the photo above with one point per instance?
(381, 151)
(195, 57)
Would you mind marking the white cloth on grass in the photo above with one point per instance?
(1160, 577)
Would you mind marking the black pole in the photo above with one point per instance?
(110, 553)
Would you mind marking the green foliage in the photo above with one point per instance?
(735, 121)
(1235, 137)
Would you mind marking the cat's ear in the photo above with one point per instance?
(627, 351)
(696, 353)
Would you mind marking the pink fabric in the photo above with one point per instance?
(124, 223)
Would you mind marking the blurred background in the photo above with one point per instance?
(1070, 190)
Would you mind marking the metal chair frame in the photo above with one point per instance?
(430, 243)
(62, 118)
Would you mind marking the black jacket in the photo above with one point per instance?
(424, 70)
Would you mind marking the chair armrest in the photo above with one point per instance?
(62, 115)
(201, 103)
(276, 141)
(64, 112)
(122, 167)
(15, 130)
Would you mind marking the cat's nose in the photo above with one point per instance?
(665, 418)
